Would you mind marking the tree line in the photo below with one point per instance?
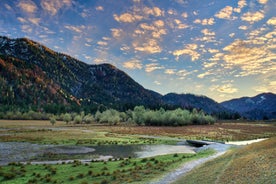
(139, 115)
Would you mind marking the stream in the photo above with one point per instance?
(35, 153)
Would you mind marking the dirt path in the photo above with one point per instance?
(186, 167)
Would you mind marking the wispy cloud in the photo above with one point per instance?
(152, 67)
(225, 88)
(52, 7)
(133, 64)
(27, 6)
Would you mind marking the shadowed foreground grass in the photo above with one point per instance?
(131, 170)
(255, 163)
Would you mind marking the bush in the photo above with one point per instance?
(53, 120)
(77, 119)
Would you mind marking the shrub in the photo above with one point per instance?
(77, 119)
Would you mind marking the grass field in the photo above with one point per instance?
(255, 163)
(132, 170)
(43, 132)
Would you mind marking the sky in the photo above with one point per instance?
(222, 49)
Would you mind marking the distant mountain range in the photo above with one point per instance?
(34, 75)
(262, 106)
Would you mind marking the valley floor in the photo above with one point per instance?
(252, 158)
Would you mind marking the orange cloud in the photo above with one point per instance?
(27, 6)
(225, 13)
(190, 50)
(252, 17)
(132, 64)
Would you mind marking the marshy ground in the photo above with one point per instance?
(128, 170)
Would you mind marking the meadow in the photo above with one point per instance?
(120, 170)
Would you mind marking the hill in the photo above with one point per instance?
(254, 163)
(262, 106)
(32, 74)
(208, 105)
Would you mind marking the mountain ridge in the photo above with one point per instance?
(33, 74)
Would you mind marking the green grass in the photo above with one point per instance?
(132, 170)
(254, 163)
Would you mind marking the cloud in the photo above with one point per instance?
(53, 6)
(269, 87)
(190, 50)
(252, 17)
(241, 4)
(170, 71)
(207, 32)
(127, 18)
(116, 33)
(152, 67)
(77, 29)
(225, 13)
(262, 1)
(99, 8)
(202, 75)
(157, 82)
(272, 21)
(133, 64)
(205, 22)
(225, 88)
(34, 20)
(27, 6)
(184, 15)
(180, 25)
(150, 46)
(8, 7)
(243, 27)
(251, 59)
(155, 11)
(102, 43)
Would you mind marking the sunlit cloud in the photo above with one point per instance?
(272, 21)
(251, 59)
(262, 1)
(225, 13)
(204, 22)
(184, 15)
(127, 18)
(151, 46)
(27, 6)
(225, 88)
(52, 7)
(133, 64)
(152, 67)
(102, 43)
(99, 8)
(207, 32)
(243, 27)
(202, 75)
(157, 82)
(170, 71)
(190, 50)
(155, 11)
(77, 29)
(252, 17)
(34, 20)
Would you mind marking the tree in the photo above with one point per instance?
(67, 118)
(53, 120)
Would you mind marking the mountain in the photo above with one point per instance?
(34, 74)
(190, 101)
(262, 106)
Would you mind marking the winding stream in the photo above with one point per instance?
(24, 152)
